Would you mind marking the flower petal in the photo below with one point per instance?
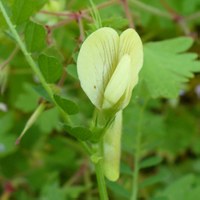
(112, 148)
(96, 62)
(118, 83)
(131, 44)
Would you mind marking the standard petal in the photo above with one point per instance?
(96, 62)
(131, 44)
(112, 148)
(118, 83)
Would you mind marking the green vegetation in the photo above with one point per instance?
(50, 138)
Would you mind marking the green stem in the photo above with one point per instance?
(137, 155)
(192, 17)
(100, 176)
(151, 9)
(25, 52)
(33, 65)
(29, 59)
(136, 168)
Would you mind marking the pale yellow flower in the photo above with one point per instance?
(108, 66)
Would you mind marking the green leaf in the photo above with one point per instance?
(167, 67)
(75, 191)
(51, 115)
(80, 133)
(7, 144)
(52, 192)
(160, 198)
(150, 162)
(125, 169)
(72, 71)
(152, 128)
(67, 105)
(181, 126)
(184, 188)
(39, 89)
(154, 179)
(6, 123)
(23, 9)
(30, 96)
(118, 190)
(7, 140)
(7, 4)
(50, 67)
(116, 21)
(35, 37)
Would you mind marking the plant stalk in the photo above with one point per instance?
(27, 55)
(34, 66)
(100, 176)
(136, 168)
(137, 154)
(30, 61)
(151, 9)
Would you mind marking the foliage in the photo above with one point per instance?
(161, 133)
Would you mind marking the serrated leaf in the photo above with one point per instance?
(35, 37)
(183, 188)
(180, 128)
(167, 67)
(23, 9)
(80, 133)
(52, 191)
(67, 105)
(150, 162)
(50, 67)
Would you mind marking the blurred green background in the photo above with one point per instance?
(49, 164)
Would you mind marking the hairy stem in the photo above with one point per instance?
(25, 52)
(194, 16)
(128, 13)
(30, 60)
(137, 155)
(81, 29)
(179, 19)
(100, 176)
(35, 68)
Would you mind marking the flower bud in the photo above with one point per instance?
(112, 149)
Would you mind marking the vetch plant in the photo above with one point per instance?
(109, 64)
(108, 67)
